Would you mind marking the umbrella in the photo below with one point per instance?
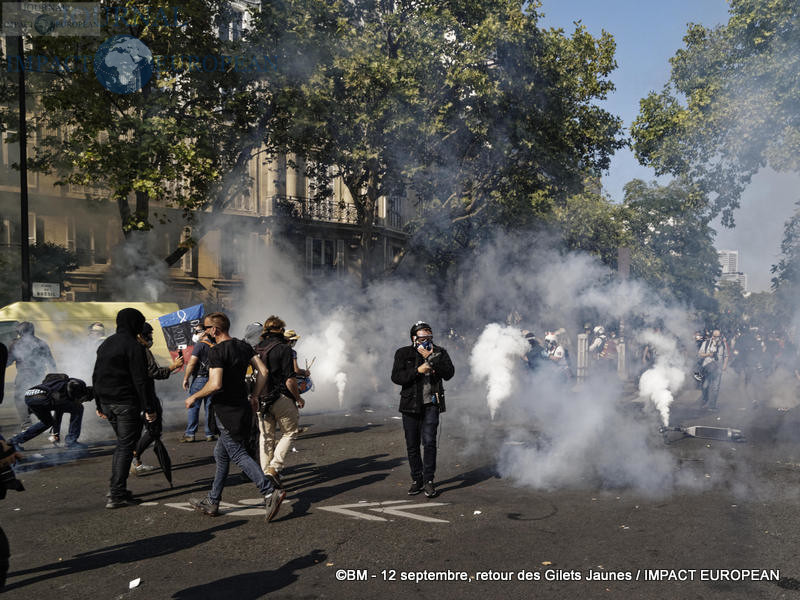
(164, 461)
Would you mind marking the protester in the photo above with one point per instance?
(228, 363)
(420, 369)
(536, 354)
(197, 372)
(33, 361)
(152, 430)
(123, 392)
(714, 355)
(280, 403)
(63, 394)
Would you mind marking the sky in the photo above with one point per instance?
(648, 33)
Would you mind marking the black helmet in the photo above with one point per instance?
(419, 325)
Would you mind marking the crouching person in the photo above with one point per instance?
(59, 393)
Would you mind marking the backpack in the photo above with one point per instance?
(269, 394)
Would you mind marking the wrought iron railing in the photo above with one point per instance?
(333, 211)
(308, 209)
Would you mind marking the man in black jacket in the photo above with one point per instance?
(122, 393)
(420, 369)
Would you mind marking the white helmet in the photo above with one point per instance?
(599, 330)
(550, 340)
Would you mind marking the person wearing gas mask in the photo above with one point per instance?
(153, 429)
(123, 391)
(59, 393)
(195, 378)
(420, 369)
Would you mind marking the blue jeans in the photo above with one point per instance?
(46, 421)
(126, 420)
(421, 428)
(226, 451)
(194, 412)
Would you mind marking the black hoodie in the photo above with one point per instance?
(120, 371)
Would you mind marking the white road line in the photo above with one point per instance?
(344, 509)
(400, 511)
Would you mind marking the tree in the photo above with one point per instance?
(671, 241)
(786, 280)
(741, 84)
(470, 109)
(194, 123)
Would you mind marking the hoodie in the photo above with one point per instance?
(120, 371)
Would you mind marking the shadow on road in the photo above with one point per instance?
(310, 478)
(309, 436)
(250, 586)
(143, 549)
(466, 479)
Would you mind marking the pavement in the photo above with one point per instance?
(347, 528)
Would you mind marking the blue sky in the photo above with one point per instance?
(648, 34)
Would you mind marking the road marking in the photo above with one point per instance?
(228, 509)
(344, 509)
(397, 511)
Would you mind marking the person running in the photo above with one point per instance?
(228, 362)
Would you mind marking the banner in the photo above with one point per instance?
(178, 327)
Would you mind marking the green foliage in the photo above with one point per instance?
(786, 280)
(671, 241)
(50, 262)
(470, 109)
(731, 104)
(174, 140)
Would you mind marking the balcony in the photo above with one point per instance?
(306, 209)
(332, 211)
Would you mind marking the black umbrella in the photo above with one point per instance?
(164, 461)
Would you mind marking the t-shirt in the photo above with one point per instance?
(230, 403)
(200, 350)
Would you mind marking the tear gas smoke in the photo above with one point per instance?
(341, 383)
(494, 358)
(664, 379)
(137, 274)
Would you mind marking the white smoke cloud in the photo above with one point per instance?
(493, 360)
(661, 382)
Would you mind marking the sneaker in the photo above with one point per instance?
(416, 488)
(272, 473)
(127, 494)
(141, 468)
(53, 438)
(205, 506)
(430, 491)
(273, 502)
(121, 502)
(76, 446)
(186, 439)
(210, 438)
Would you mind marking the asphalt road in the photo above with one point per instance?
(348, 529)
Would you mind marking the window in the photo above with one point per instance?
(324, 257)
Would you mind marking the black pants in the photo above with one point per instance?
(420, 428)
(126, 419)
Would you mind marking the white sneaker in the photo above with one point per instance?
(141, 468)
